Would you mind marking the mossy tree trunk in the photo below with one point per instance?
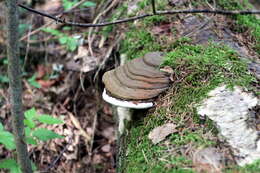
(15, 85)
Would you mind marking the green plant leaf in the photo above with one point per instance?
(4, 79)
(22, 28)
(30, 116)
(89, 4)
(11, 165)
(1, 127)
(47, 119)
(33, 82)
(45, 135)
(29, 123)
(66, 28)
(5, 61)
(27, 131)
(34, 168)
(72, 44)
(68, 4)
(7, 139)
(54, 32)
(30, 140)
(31, 113)
(63, 40)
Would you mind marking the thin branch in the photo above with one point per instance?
(59, 20)
(41, 13)
(58, 157)
(153, 5)
(90, 37)
(51, 22)
(15, 84)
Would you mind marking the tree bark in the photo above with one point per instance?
(15, 85)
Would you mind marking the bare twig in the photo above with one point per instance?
(77, 124)
(59, 20)
(58, 157)
(90, 39)
(109, 51)
(145, 158)
(27, 47)
(35, 31)
(94, 125)
(49, 23)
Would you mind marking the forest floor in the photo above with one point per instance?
(62, 70)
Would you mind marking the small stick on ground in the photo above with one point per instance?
(58, 157)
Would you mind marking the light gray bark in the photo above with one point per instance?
(15, 85)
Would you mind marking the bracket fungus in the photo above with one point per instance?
(137, 83)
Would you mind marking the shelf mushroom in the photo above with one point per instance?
(135, 85)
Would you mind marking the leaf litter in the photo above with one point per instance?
(158, 134)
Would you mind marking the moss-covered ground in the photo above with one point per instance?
(197, 69)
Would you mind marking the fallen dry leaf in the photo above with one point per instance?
(41, 71)
(208, 160)
(162, 29)
(106, 148)
(167, 69)
(160, 133)
(97, 159)
(88, 62)
(109, 133)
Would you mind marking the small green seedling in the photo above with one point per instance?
(71, 43)
(67, 4)
(32, 136)
(32, 81)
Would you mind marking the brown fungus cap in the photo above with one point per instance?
(138, 79)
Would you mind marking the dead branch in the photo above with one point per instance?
(194, 11)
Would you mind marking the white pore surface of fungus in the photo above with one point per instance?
(127, 104)
(229, 109)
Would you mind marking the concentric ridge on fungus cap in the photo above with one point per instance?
(139, 79)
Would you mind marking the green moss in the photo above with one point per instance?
(146, 5)
(138, 43)
(154, 20)
(200, 68)
(218, 62)
(250, 168)
(234, 4)
(143, 4)
(145, 157)
(197, 70)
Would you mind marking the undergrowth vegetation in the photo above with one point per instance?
(33, 135)
(197, 69)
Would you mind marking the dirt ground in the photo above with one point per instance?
(68, 91)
